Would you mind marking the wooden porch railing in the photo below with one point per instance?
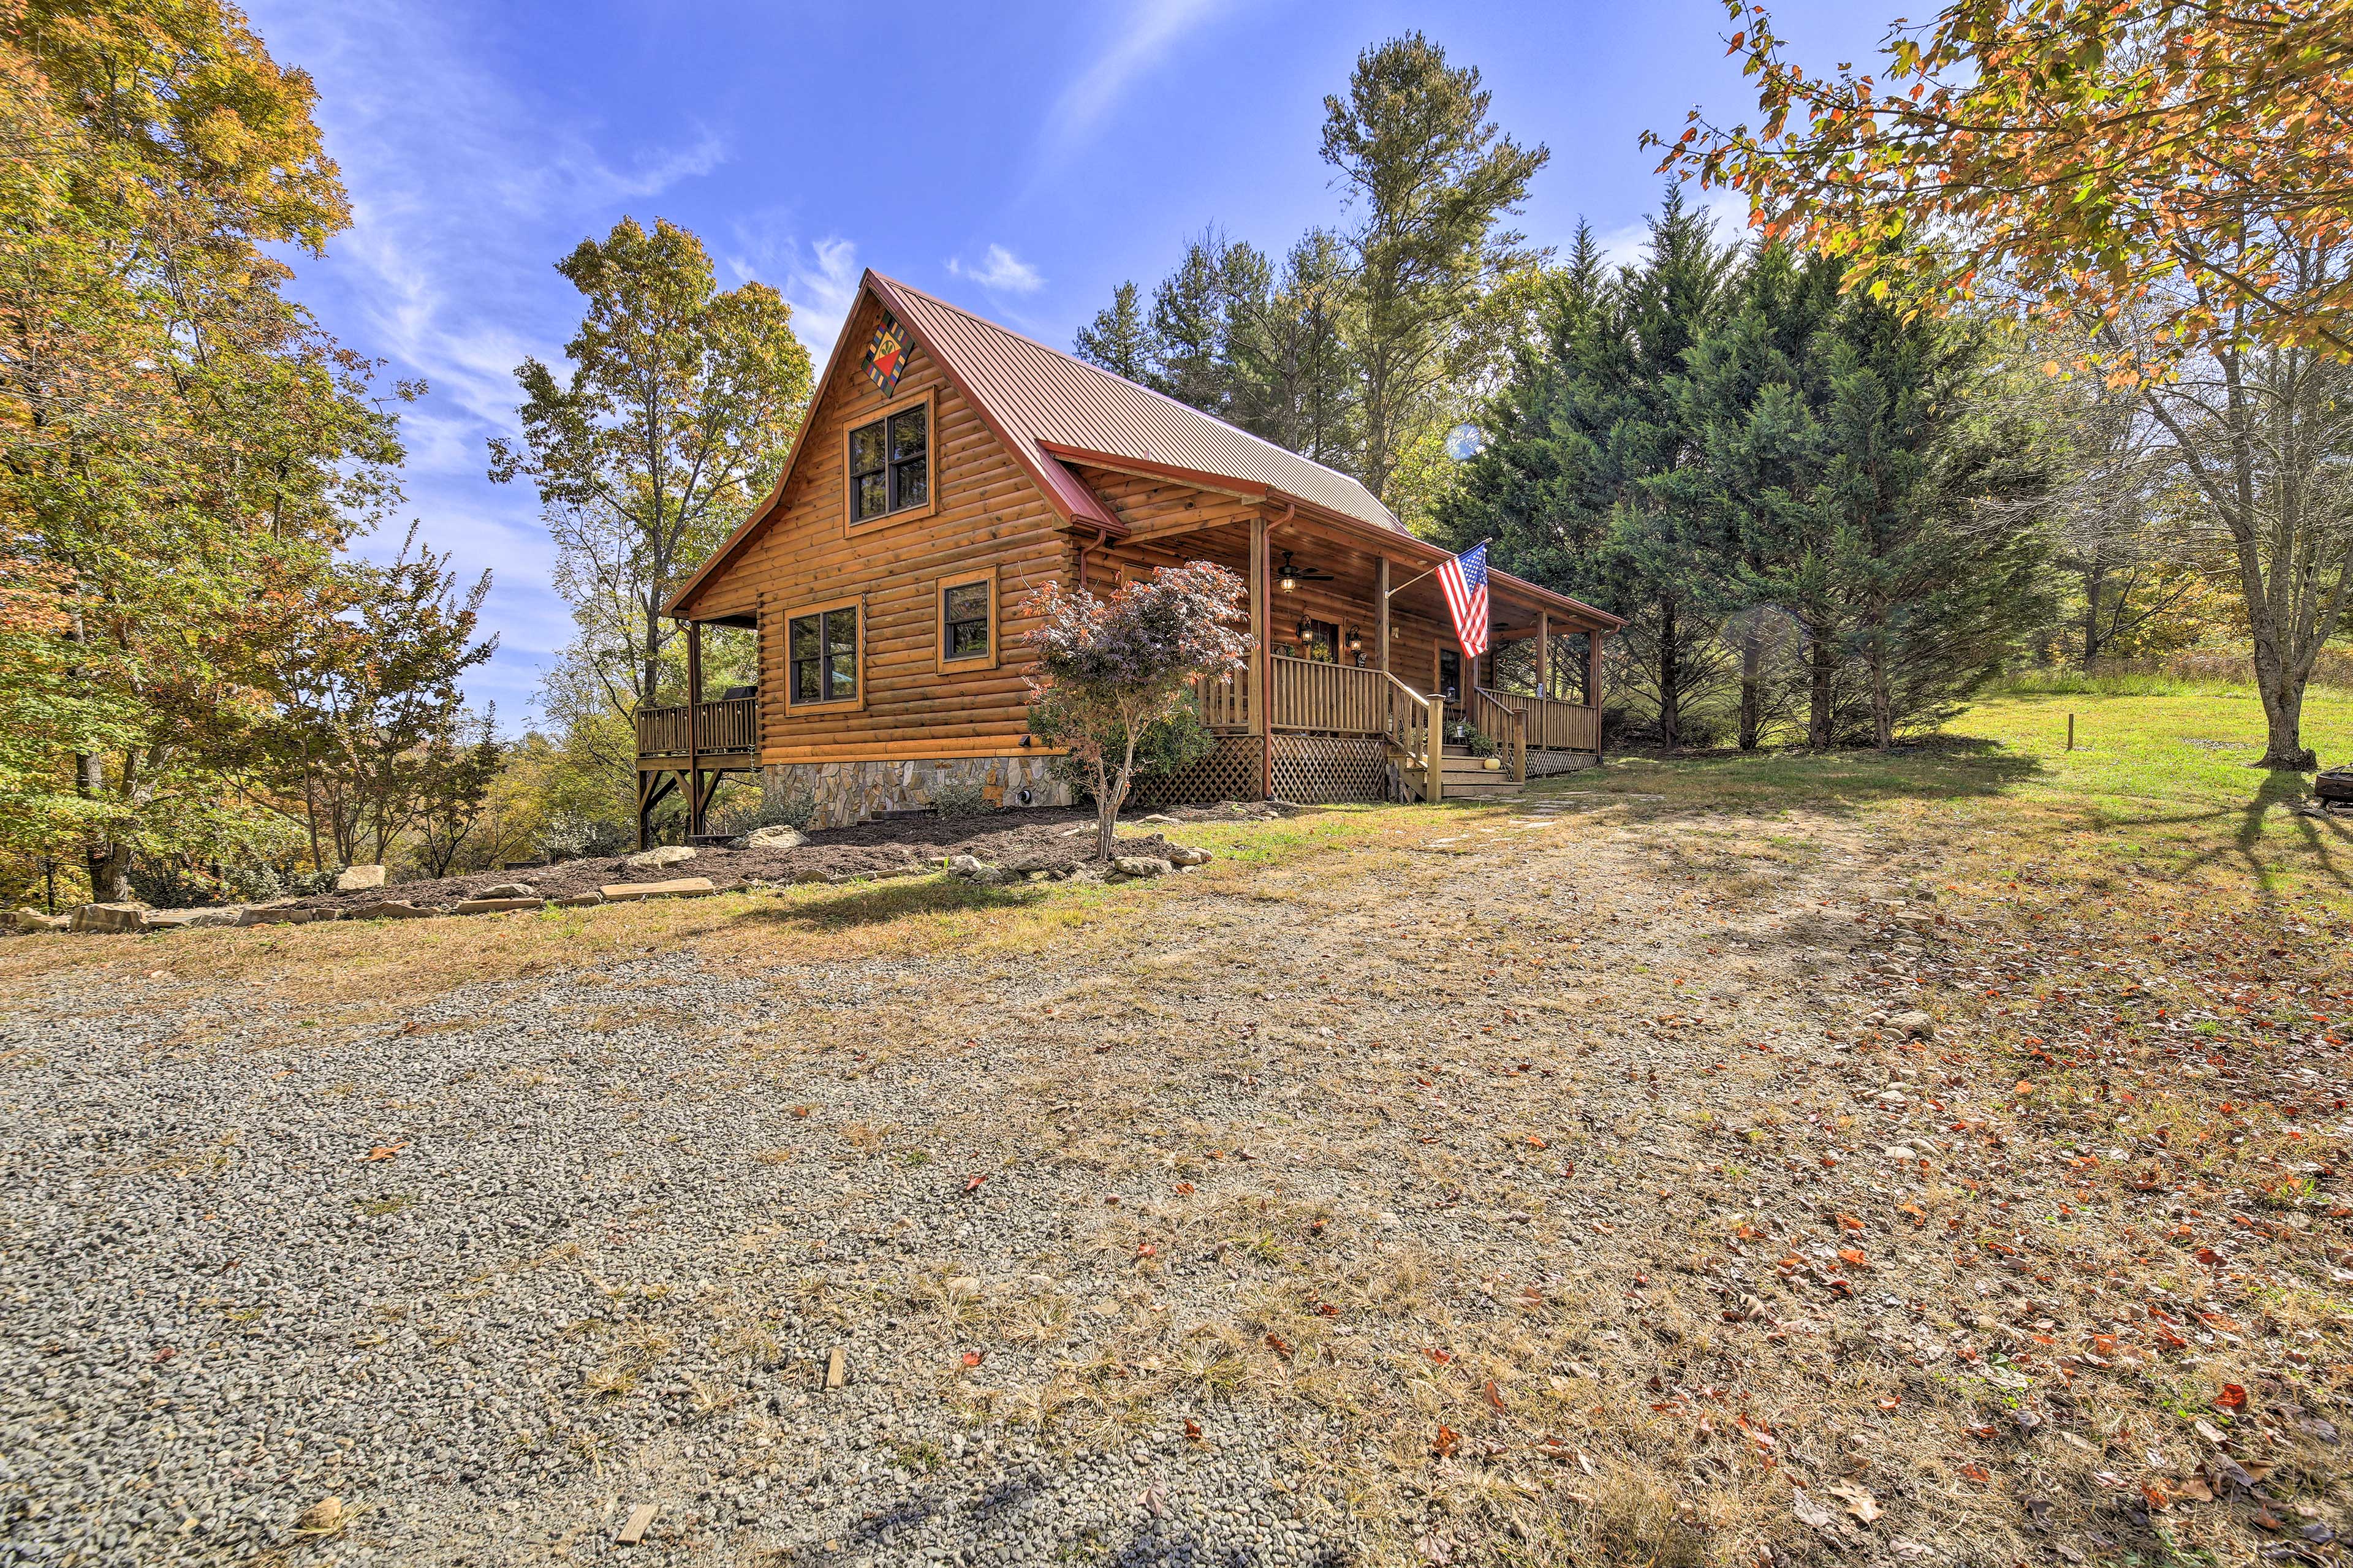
(1336, 698)
(1554, 725)
(1225, 700)
(1415, 725)
(1502, 725)
(728, 726)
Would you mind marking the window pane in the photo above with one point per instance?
(842, 654)
(869, 496)
(866, 449)
(968, 602)
(907, 433)
(805, 686)
(911, 484)
(801, 637)
(968, 640)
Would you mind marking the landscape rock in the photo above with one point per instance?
(359, 878)
(776, 836)
(386, 909)
(509, 890)
(1185, 855)
(680, 888)
(110, 917)
(30, 919)
(280, 915)
(211, 916)
(654, 859)
(498, 906)
(580, 901)
(1141, 866)
(1914, 1023)
(972, 869)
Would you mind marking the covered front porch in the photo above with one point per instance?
(1356, 665)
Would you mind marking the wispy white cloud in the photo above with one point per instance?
(463, 194)
(1145, 36)
(1000, 271)
(819, 278)
(1628, 243)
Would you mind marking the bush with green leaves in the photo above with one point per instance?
(1168, 746)
(961, 798)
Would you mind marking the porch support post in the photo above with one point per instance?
(694, 741)
(1593, 684)
(1544, 653)
(1381, 615)
(1260, 674)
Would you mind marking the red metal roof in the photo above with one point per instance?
(1042, 399)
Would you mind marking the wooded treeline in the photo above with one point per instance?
(1836, 478)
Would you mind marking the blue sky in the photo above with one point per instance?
(1019, 158)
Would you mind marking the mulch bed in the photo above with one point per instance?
(1037, 839)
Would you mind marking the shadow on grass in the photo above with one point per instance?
(876, 904)
(1941, 767)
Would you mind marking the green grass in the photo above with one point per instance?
(2157, 786)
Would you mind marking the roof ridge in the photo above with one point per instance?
(1000, 328)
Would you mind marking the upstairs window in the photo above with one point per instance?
(821, 649)
(891, 464)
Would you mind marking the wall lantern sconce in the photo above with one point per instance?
(1306, 628)
(1355, 640)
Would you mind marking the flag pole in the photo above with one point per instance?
(1411, 581)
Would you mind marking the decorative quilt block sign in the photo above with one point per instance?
(886, 356)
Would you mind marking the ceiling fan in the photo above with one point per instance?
(1290, 577)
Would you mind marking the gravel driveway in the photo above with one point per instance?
(1385, 1200)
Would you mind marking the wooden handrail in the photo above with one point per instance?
(728, 726)
(1485, 708)
(1555, 724)
(1415, 725)
(1334, 699)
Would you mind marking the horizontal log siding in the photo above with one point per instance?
(987, 514)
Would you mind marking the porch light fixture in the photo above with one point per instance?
(1290, 579)
(1306, 628)
(1355, 640)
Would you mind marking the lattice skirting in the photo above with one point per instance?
(1544, 763)
(1229, 772)
(1331, 767)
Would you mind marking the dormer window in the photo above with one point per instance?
(891, 464)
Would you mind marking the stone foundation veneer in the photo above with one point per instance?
(852, 791)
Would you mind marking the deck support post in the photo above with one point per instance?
(694, 701)
(1261, 672)
(1593, 686)
(1544, 653)
(1381, 616)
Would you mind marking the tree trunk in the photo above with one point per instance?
(1820, 669)
(2283, 696)
(1882, 704)
(2093, 579)
(110, 874)
(1752, 685)
(1670, 717)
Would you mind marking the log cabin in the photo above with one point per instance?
(947, 469)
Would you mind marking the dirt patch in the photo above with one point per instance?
(1049, 840)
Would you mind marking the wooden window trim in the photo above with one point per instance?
(794, 708)
(850, 522)
(944, 665)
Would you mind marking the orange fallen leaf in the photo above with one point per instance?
(1448, 1437)
(2232, 1397)
(1494, 1395)
(1184, 1186)
(803, 1109)
(972, 1184)
(1279, 1345)
(1440, 1356)
(972, 1358)
(1852, 1258)
(385, 1151)
(1192, 1429)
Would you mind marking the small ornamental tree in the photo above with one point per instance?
(1110, 669)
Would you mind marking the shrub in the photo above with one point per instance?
(1168, 745)
(778, 805)
(569, 836)
(961, 798)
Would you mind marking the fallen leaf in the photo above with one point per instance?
(1494, 1395)
(1440, 1356)
(972, 1358)
(1448, 1437)
(1859, 1500)
(1812, 1513)
(2232, 1397)
(1184, 1186)
(1279, 1345)
(383, 1150)
(1192, 1429)
(973, 1183)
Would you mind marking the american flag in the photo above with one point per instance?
(1464, 578)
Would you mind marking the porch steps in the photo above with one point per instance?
(1466, 777)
